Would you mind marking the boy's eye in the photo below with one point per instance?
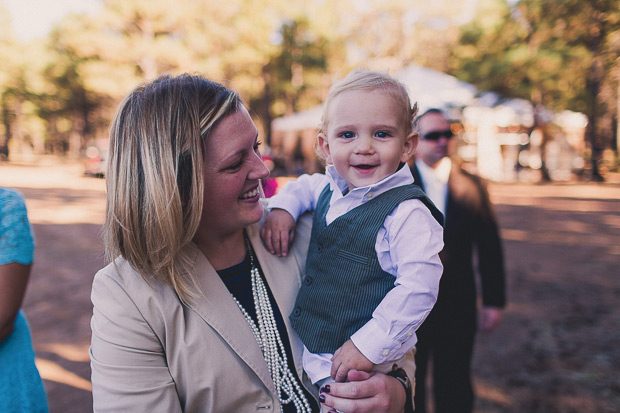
(347, 135)
(382, 134)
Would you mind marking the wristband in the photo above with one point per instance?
(401, 375)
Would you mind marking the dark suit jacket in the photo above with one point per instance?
(470, 226)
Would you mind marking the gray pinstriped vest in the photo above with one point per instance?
(344, 282)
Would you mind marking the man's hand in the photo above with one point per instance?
(490, 318)
(364, 392)
(346, 358)
(278, 231)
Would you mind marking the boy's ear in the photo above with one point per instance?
(411, 143)
(324, 147)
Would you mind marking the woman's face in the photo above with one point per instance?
(232, 170)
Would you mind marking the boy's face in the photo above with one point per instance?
(365, 137)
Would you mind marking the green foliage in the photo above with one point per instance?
(96, 60)
(559, 53)
(282, 55)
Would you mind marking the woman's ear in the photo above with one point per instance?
(409, 146)
(324, 148)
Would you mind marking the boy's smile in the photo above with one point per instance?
(365, 138)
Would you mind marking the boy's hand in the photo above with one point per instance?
(346, 358)
(278, 231)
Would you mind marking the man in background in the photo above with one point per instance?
(447, 335)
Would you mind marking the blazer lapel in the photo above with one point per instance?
(218, 309)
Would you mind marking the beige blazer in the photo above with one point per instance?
(151, 353)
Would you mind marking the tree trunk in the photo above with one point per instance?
(593, 85)
(618, 121)
(76, 135)
(264, 106)
(4, 140)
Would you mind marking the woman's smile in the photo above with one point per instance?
(252, 193)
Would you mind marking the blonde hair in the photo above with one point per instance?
(372, 80)
(154, 174)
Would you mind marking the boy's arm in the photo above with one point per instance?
(411, 240)
(295, 198)
(299, 195)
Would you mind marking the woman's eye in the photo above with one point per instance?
(257, 145)
(347, 135)
(236, 165)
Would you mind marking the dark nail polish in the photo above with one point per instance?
(325, 389)
(322, 398)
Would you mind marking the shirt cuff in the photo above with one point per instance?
(378, 347)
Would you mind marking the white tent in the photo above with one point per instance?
(433, 89)
(306, 119)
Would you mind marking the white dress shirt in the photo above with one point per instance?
(408, 246)
(436, 181)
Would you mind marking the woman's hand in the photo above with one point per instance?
(365, 392)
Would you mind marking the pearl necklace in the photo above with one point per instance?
(270, 343)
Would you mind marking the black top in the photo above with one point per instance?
(239, 282)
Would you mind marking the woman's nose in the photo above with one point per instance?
(259, 169)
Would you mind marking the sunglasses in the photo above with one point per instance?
(436, 135)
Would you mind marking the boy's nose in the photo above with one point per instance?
(364, 145)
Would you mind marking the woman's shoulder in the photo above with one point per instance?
(16, 238)
(119, 271)
(11, 201)
(120, 275)
(10, 193)
(120, 293)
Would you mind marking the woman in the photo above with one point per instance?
(192, 314)
(21, 388)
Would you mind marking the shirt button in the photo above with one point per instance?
(308, 280)
(410, 333)
(369, 195)
(297, 312)
(386, 352)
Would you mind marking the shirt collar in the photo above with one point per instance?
(401, 177)
(440, 174)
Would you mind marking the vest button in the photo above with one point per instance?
(296, 312)
(319, 248)
(308, 280)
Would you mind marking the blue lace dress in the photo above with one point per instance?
(21, 388)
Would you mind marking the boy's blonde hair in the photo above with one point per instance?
(372, 80)
(155, 174)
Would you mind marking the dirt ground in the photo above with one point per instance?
(558, 349)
